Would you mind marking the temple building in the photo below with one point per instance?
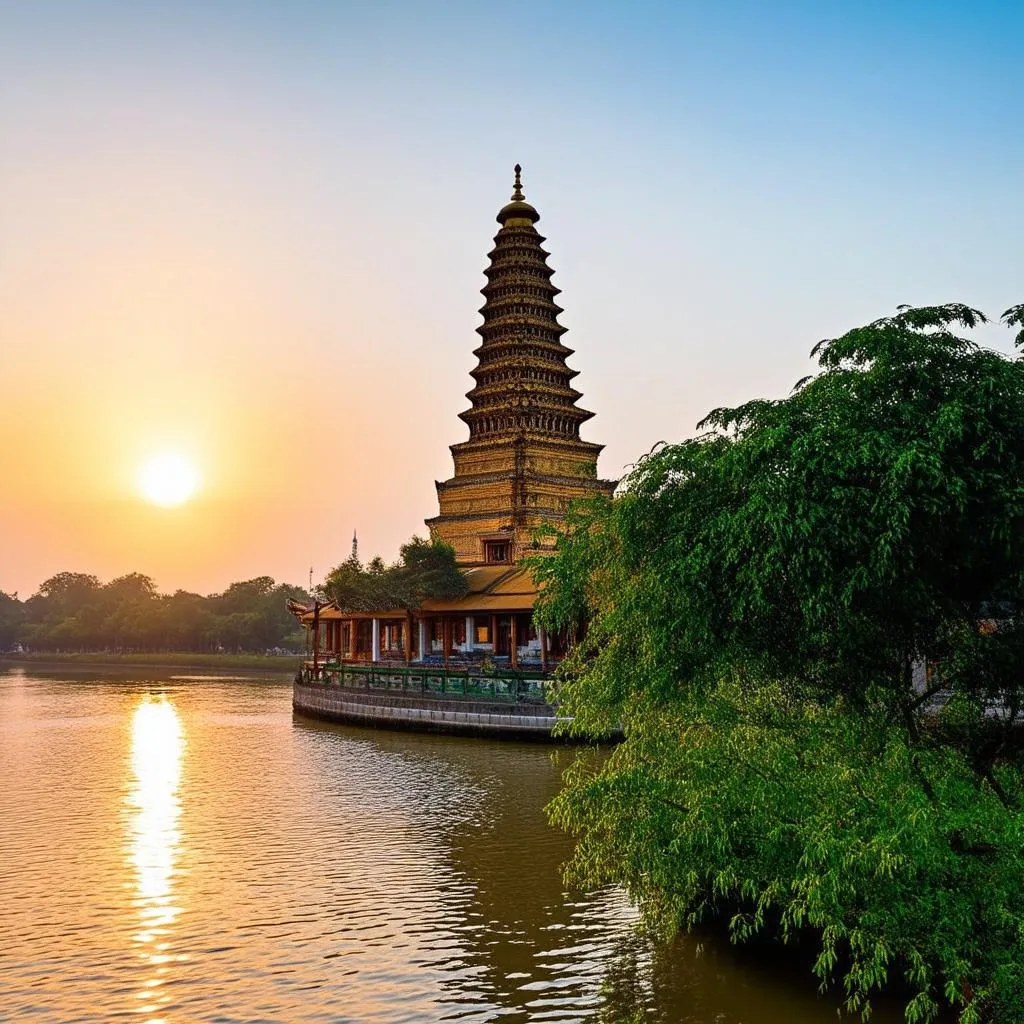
(522, 466)
(524, 461)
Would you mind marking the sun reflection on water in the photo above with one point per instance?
(154, 838)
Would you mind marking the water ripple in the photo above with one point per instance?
(180, 848)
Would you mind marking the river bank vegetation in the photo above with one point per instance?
(75, 613)
(277, 663)
(810, 621)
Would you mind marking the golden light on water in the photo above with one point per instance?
(154, 838)
(168, 479)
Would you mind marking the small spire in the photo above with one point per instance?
(517, 194)
(355, 547)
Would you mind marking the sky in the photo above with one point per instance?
(254, 233)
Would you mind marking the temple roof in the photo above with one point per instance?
(491, 588)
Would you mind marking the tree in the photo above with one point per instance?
(427, 570)
(74, 611)
(12, 617)
(187, 621)
(128, 609)
(242, 596)
(809, 621)
(131, 587)
(69, 591)
(65, 613)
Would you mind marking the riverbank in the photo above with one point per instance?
(285, 664)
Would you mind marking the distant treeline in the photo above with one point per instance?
(73, 611)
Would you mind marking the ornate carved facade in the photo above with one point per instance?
(524, 461)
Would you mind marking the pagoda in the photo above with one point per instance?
(522, 466)
(524, 461)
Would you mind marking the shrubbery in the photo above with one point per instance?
(810, 622)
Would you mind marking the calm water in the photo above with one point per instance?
(181, 848)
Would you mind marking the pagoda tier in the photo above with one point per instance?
(524, 462)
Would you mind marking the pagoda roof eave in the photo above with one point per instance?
(501, 440)
(495, 304)
(555, 346)
(533, 389)
(532, 363)
(532, 283)
(511, 322)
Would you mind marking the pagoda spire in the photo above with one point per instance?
(517, 191)
(522, 381)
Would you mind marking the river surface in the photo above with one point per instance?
(182, 848)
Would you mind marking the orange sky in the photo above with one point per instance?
(255, 233)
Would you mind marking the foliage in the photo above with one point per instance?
(762, 602)
(75, 612)
(426, 570)
(12, 615)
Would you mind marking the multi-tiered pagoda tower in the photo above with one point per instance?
(524, 461)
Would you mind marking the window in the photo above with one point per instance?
(496, 552)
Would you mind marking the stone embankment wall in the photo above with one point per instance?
(426, 714)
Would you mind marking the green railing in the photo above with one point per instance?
(498, 684)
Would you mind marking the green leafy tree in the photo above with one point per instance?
(70, 590)
(809, 621)
(243, 596)
(126, 614)
(279, 628)
(75, 612)
(65, 613)
(426, 570)
(12, 618)
(187, 620)
(346, 585)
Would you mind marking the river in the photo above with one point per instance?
(181, 848)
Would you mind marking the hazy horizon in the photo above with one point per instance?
(255, 234)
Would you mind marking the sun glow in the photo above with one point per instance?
(167, 479)
(157, 746)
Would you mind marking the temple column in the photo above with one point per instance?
(424, 642)
(316, 641)
(375, 652)
(446, 627)
(543, 649)
(408, 637)
(470, 631)
(514, 642)
(494, 634)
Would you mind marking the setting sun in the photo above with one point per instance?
(167, 479)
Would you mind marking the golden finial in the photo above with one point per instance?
(517, 195)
